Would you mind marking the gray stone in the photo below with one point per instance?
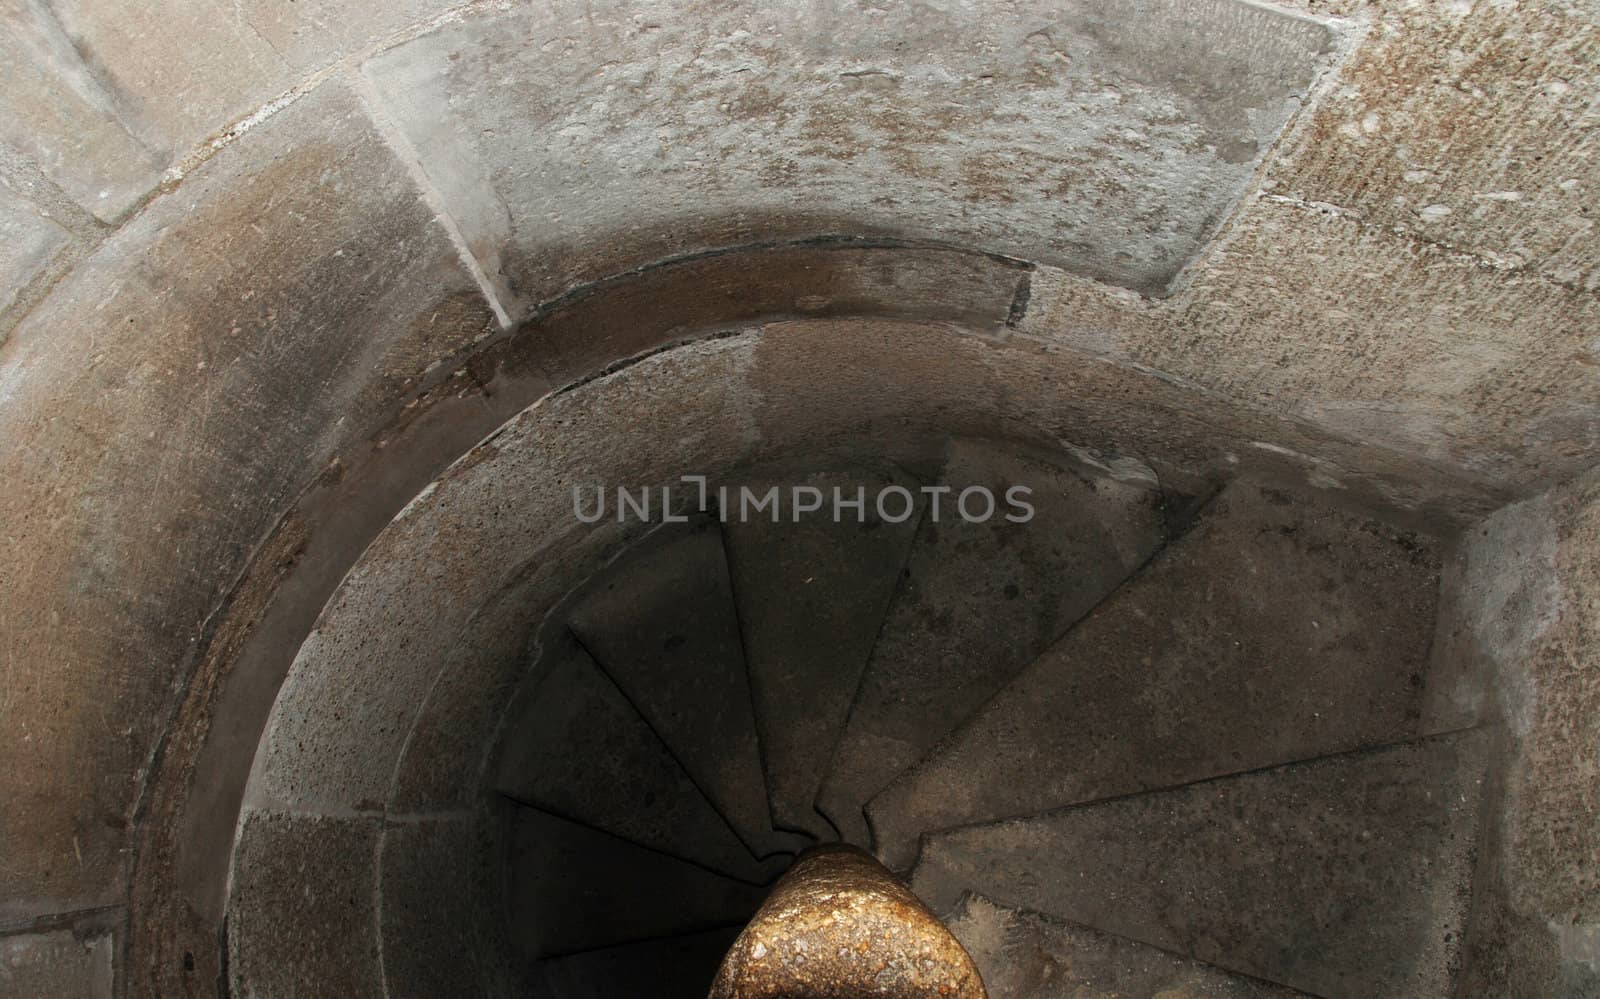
(302, 913)
(1464, 126)
(29, 242)
(812, 595)
(57, 963)
(1348, 876)
(572, 889)
(440, 915)
(1023, 955)
(578, 749)
(662, 624)
(211, 386)
(978, 602)
(1280, 628)
(79, 130)
(1082, 134)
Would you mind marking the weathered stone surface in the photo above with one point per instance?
(302, 915)
(1535, 621)
(579, 749)
(1346, 876)
(160, 409)
(64, 118)
(572, 889)
(1467, 125)
(440, 899)
(57, 963)
(1280, 628)
(979, 600)
(1083, 134)
(178, 74)
(29, 241)
(1023, 955)
(838, 924)
(481, 556)
(812, 593)
(1384, 341)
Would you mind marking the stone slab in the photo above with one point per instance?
(663, 626)
(57, 963)
(29, 241)
(1345, 876)
(577, 748)
(978, 601)
(1279, 628)
(1023, 955)
(302, 912)
(1085, 134)
(812, 595)
(170, 324)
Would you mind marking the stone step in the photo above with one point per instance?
(1348, 876)
(1025, 955)
(571, 888)
(675, 968)
(577, 748)
(662, 624)
(1278, 628)
(978, 603)
(812, 595)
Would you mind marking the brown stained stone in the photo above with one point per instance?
(840, 926)
(162, 408)
(1076, 133)
(1467, 125)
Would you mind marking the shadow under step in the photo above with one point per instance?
(1347, 877)
(675, 968)
(577, 748)
(571, 888)
(1277, 629)
(812, 595)
(1025, 955)
(978, 602)
(662, 625)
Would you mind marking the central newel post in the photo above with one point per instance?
(839, 925)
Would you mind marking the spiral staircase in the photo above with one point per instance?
(1144, 744)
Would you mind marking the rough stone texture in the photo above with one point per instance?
(302, 914)
(156, 370)
(57, 963)
(580, 750)
(676, 968)
(104, 97)
(1467, 125)
(1393, 343)
(572, 889)
(838, 925)
(663, 626)
(75, 128)
(1083, 134)
(29, 241)
(1346, 876)
(440, 904)
(1533, 613)
(1278, 629)
(812, 593)
(978, 601)
(1023, 955)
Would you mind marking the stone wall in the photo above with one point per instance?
(245, 247)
